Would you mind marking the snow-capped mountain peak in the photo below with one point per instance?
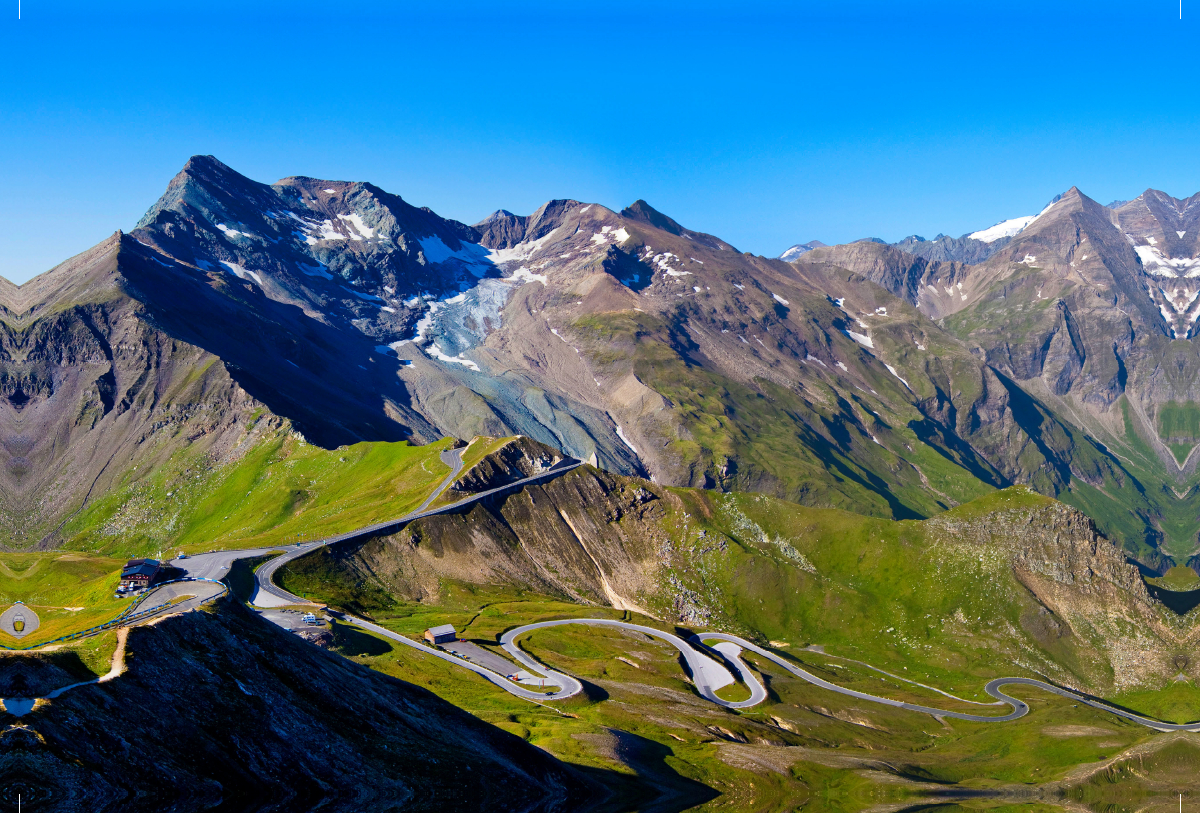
(795, 251)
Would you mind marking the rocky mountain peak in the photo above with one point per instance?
(643, 212)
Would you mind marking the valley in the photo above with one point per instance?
(866, 527)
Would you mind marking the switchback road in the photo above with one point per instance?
(709, 673)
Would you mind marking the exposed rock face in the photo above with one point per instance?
(963, 249)
(1092, 312)
(516, 460)
(582, 536)
(859, 376)
(91, 390)
(229, 709)
(1087, 590)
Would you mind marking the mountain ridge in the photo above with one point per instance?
(857, 375)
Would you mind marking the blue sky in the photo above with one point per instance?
(766, 123)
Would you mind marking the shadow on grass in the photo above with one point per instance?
(36, 674)
(655, 787)
(350, 642)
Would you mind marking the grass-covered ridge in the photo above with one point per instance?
(68, 591)
(279, 491)
(915, 596)
(635, 689)
(819, 447)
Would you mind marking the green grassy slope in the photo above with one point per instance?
(281, 490)
(825, 446)
(898, 595)
(672, 738)
(69, 592)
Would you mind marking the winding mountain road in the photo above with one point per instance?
(268, 594)
(215, 564)
(700, 665)
(709, 674)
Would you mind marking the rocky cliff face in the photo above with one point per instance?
(1089, 311)
(516, 460)
(582, 536)
(231, 711)
(1087, 590)
(858, 376)
(91, 389)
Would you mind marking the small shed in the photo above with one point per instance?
(444, 634)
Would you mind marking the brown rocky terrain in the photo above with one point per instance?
(1093, 609)
(858, 376)
(233, 712)
(1038, 581)
(583, 536)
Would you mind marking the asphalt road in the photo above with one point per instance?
(566, 686)
(708, 674)
(269, 594)
(1020, 709)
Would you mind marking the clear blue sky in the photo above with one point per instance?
(768, 123)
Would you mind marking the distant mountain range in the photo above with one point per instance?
(895, 380)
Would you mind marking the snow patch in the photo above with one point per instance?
(780, 299)
(435, 250)
(318, 270)
(843, 366)
(607, 233)
(811, 357)
(1155, 263)
(241, 272)
(663, 262)
(521, 251)
(329, 191)
(1005, 228)
(865, 341)
(359, 226)
(892, 370)
(523, 275)
(625, 440)
(1029, 260)
(361, 295)
(386, 309)
(231, 233)
(436, 351)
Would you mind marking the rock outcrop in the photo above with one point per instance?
(230, 710)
